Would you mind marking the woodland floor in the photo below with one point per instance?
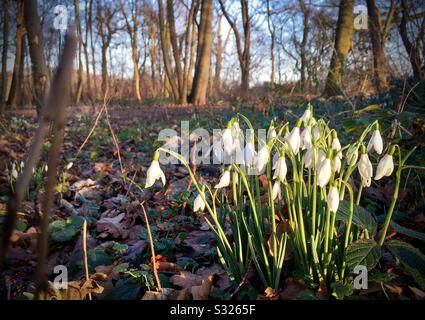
(119, 256)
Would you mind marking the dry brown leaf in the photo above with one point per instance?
(419, 294)
(203, 291)
(186, 279)
(292, 288)
(269, 294)
(322, 292)
(183, 294)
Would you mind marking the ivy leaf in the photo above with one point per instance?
(364, 252)
(408, 232)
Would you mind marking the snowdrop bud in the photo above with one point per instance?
(280, 169)
(224, 180)
(324, 173)
(294, 139)
(385, 167)
(375, 142)
(14, 173)
(276, 191)
(365, 168)
(154, 173)
(227, 141)
(22, 164)
(199, 203)
(271, 133)
(263, 157)
(333, 199)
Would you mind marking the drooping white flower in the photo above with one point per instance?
(333, 199)
(280, 169)
(324, 173)
(224, 180)
(375, 143)
(276, 191)
(239, 152)
(336, 164)
(365, 169)
(294, 139)
(154, 173)
(262, 158)
(353, 158)
(250, 154)
(305, 139)
(385, 167)
(336, 146)
(199, 203)
(308, 159)
(306, 116)
(227, 140)
(321, 155)
(316, 133)
(271, 133)
(14, 172)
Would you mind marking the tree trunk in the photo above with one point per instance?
(343, 35)
(378, 39)
(80, 63)
(411, 48)
(303, 57)
(20, 42)
(104, 69)
(39, 68)
(4, 55)
(203, 57)
(165, 50)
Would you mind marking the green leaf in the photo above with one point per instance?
(408, 232)
(341, 290)
(306, 294)
(361, 217)
(123, 267)
(364, 252)
(410, 258)
(20, 225)
(97, 257)
(377, 276)
(123, 290)
(120, 247)
(63, 231)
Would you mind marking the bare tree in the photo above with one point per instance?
(203, 57)
(343, 38)
(243, 53)
(39, 67)
(4, 55)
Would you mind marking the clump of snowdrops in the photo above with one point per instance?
(309, 203)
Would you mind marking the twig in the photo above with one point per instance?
(85, 252)
(242, 281)
(155, 272)
(114, 138)
(57, 99)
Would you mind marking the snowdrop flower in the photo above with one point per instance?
(308, 159)
(263, 158)
(227, 140)
(271, 133)
(306, 115)
(276, 191)
(336, 145)
(375, 142)
(250, 153)
(294, 138)
(305, 139)
(321, 155)
(324, 173)
(333, 199)
(280, 169)
(385, 166)
(353, 158)
(199, 203)
(336, 164)
(154, 173)
(239, 152)
(224, 180)
(14, 172)
(365, 168)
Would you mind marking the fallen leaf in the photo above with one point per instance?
(203, 291)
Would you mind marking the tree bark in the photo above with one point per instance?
(80, 63)
(378, 38)
(4, 55)
(203, 56)
(20, 42)
(39, 67)
(413, 50)
(343, 35)
(306, 25)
